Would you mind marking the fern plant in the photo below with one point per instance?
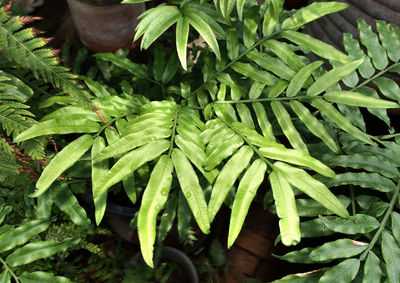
(215, 132)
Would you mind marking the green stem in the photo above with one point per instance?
(387, 137)
(375, 76)
(9, 270)
(172, 140)
(383, 223)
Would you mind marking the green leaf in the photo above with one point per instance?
(137, 70)
(343, 248)
(355, 224)
(298, 256)
(286, 209)
(284, 52)
(245, 194)
(370, 40)
(388, 87)
(333, 77)
(99, 170)
(313, 188)
(182, 34)
(98, 89)
(67, 202)
(271, 16)
(204, 30)
(191, 189)
(38, 250)
(5, 277)
(300, 78)
(298, 158)
(318, 47)
(310, 208)
(58, 126)
(245, 115)
(353, 48)
(306, 277)
(133, 1)
(263, 121)
(4, 210)
(232, 43)
(333, 114)
(372, 181)
(22, 234)
(257, 75)
(154, 198)
(226, 7)
(314, 228)
(312, 12)
(67, 157)
(277, 88)
(42, 277)
(72, 112)
(226, 179)
(256, 90)
(391, 255)
(170, 15)
(395, 224)
(357, 99)
(250, 26)
(344, 272)
(372, 269)
(288, 128)
(389, 40)
(314, 125)
(170, 69)
(167, 218)
(131, 161)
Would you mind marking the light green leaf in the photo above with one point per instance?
(256, 90)
(232, 43)
(355, 224)
(58, 126)
(353, 48)
(154, 198)
(307, 207)
(357, 99)
(391, 255)
(137, 70)
(226, 7)
(300, 78)
(312, 12)
(277, 88)
(372, 181)
(22, 234)
(313, 188)
(245, 194)
(191, 189)
(131, 161)
(395, 224)
(257, 75)
(372, 269)
(285, 53)
(333, 77)
(333, 114)
(388, 87)
(298, 256)
(67, 202)
(182, 34)
(4, 210)
(286, 209)
(5, 277)
(204, 30)
(226, 179)
(389, 40)
(99, 170)
(38, 250)
(318, 47)
(245, 115)
(271, 16)
(306, 277)
(344, 272)
(42, 277)
(263, 122)
(98, 89)
(67, 157)
(343, 248)
(72, 112)
(288, 128)
(250, 26)
(314, 125)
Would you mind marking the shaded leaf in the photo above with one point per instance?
(344, 272)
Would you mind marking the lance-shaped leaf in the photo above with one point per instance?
(137, 70)
(5, 277)
(22, 234)
(343, 248)
(299, 256)
(131, 161)
(191, 189)
(245, 194)
(37, 250)
(389, 40)
(372, 181)
(372, 269)
(271, 16)
(307, 207)
(42, 277)
(226, 7)
(285, 53)
(333, 77)
(395, 224)
(272, 64)
(99, 170)
(232, 42)
(288, 128)
(263, 122)
(245, 115)
(311, 13)
(58, 126)
(204, 30)
(344, 272)
(317, 46)
(154, 198)
(44, 205)
(358, 99)
(313, 188)
(4, 210)
(300, 78)
(67, 157)
(250, 26)
(353, 48)
(391, 255)
(225, 180)
(333, 114)
(67, 202)
(314, 228)
(355, 224)
(72, 112)
(314, 125)
(257, 75)
(286, 209)
(182, 34)
(298, 158)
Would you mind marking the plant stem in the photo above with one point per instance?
(375, 76)
(172, 140)
(268, 99)
(10, 270)
(383, 223)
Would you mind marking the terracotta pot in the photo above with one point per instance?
(106, 25)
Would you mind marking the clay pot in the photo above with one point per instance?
(105, 25)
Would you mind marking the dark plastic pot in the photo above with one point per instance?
(105, 25)
(171, 254)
